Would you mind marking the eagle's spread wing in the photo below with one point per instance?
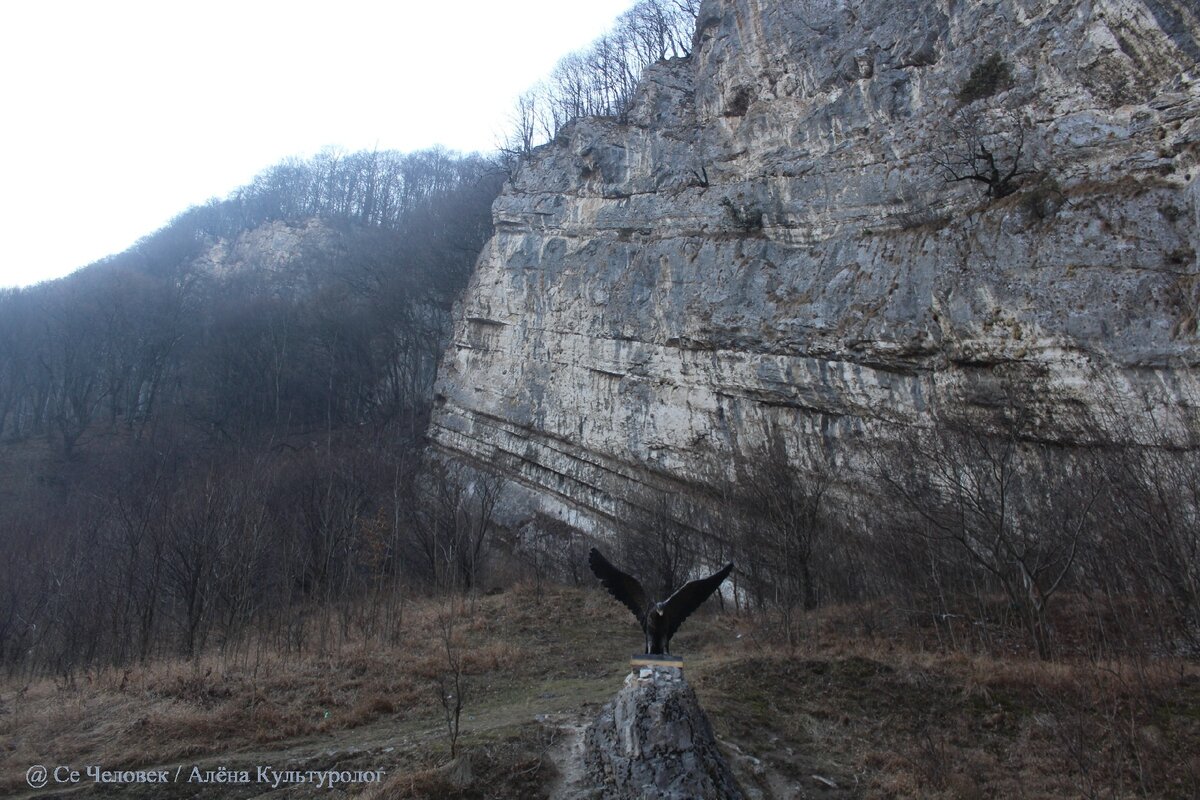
(621, 586)
(688, 598)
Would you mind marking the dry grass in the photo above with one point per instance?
(172, 710)
(879, 715)
(513, 765)
(885, 718)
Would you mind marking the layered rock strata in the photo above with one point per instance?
(768, 247)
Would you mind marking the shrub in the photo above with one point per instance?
(1043, 201)
(748, 218)
(984, 146)
(988, 77)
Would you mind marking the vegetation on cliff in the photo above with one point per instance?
(958, 572)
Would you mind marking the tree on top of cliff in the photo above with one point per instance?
(600, 80)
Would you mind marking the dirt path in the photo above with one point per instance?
(567, 755)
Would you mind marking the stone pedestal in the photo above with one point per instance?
(653, 741)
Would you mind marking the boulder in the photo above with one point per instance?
(654, 741)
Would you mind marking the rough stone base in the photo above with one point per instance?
(654, 741)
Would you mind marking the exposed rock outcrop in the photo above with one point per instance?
(766, 244)
(653, 740)
(274, 248)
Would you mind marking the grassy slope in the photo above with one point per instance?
(875, 718)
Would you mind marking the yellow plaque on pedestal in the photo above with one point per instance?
(651, 660)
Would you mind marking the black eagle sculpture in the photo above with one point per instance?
(659, 620)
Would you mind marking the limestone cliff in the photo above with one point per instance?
(767, 242)
(286, 251)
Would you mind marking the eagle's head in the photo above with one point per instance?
(657, 610)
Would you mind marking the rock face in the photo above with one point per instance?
(766, 246)
(653, 740)
(274, 248)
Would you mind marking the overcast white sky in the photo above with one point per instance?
(118, 115)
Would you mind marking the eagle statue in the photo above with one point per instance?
(660, 620)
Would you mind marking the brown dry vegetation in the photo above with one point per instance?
(877, 713)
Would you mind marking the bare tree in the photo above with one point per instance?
(449, 682)
(1016, 511)
(781, 527)
(14, 356)
(1146, 561)
(985, 146)
(660, 538)
(601, 79)
(552, 550)
(71, 355)
(452, 518)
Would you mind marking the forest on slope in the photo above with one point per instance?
(186, 432)
(221, 427)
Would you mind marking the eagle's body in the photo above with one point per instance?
(660, 620)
